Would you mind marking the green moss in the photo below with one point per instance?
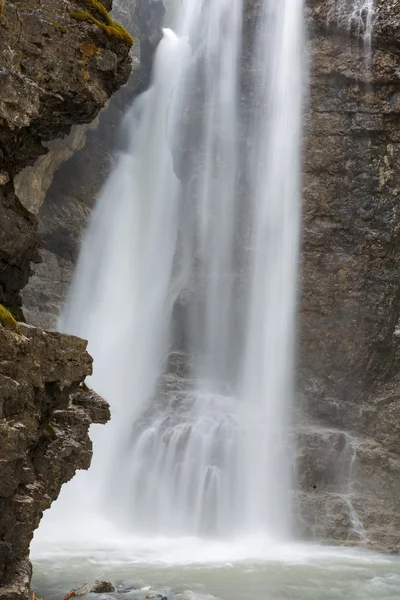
(7, 320)
(99, 16)
(51, 431)
(60, 27)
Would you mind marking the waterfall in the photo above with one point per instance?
(186, 283)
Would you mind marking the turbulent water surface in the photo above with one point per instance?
(218, 572)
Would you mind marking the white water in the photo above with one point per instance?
(362, 16)
(358, 15)
(205, 453)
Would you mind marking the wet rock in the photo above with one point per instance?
(94, 587)
(350, 282)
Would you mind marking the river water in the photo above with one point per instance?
(217, 571)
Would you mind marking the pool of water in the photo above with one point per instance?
(208, 570)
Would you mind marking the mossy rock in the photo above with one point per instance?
(7, 320)
(98, 15)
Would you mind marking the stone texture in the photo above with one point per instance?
(31, 184)
(54, 72)
(349, 354)
(94, 587)
(44, 421)
(19, 245)
(64, 213)
(51, 77)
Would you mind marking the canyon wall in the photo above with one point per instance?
(348, 418)
(347, 409)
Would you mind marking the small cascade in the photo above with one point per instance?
(361, 18)
(356, 522)
(357, 16)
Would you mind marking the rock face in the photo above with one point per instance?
(76, 185)
(44, 421)
(55, 71)
(19, 245)
(348, 451)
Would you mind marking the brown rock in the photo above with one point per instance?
(50, 79)
(350, 292)
(55, 72)
(44, 422)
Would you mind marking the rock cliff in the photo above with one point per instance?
(57, 69)
(349, 355)
(73, 188)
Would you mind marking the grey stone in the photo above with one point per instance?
(94, 587)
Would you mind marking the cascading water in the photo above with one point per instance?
(358, 15)
(186, 284)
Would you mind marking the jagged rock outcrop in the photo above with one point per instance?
(44, 421)
(77, 183)
(31, 184)
(55, 71)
